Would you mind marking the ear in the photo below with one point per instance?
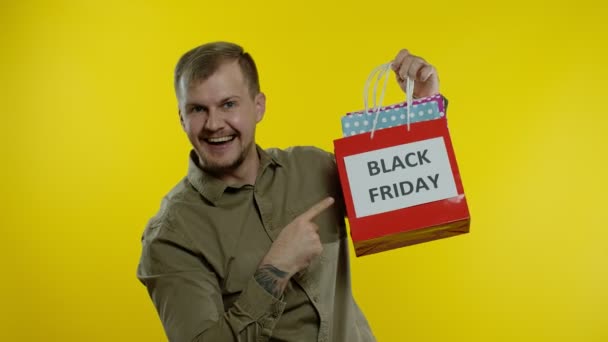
(181, 119)
(260, 106)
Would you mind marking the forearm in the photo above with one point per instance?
(191, 308)
(272, 279)
(252, 316)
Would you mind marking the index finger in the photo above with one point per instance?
(396, 64)
(317, 209)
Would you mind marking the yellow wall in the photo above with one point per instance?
(91, 142)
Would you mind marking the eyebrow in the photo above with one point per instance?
(222, 101)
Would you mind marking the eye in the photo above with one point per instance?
(197, 109)
(229, 104)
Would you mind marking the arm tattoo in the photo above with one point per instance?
(270, 278)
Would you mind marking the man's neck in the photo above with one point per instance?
(246, 173)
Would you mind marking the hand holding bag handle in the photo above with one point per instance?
(384, 70)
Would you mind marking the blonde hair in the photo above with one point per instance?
(201, 62)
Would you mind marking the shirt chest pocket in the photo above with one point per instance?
(253, 246)
(331, 222)
(244, 260)
(239, 271)
(332, 229)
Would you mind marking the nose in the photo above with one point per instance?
(214, 121)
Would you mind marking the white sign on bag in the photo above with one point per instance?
(401, 176)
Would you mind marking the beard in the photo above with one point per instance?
(218, 169)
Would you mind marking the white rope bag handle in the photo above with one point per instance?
(384, 70)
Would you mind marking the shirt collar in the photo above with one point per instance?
(213, 188)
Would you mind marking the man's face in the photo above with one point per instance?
(219, 116)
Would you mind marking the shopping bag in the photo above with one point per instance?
(401, 184)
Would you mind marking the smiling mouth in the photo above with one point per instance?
(220, 140)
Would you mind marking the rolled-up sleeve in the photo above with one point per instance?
(188, 298)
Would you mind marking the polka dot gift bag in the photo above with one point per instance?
(398, 173)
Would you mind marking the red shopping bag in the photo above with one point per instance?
(401, 187)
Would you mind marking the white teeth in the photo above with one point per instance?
(220, 139)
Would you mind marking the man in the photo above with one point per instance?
(250, 245)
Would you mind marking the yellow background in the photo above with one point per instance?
(91, 142)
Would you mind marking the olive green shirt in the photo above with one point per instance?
(200, 251)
